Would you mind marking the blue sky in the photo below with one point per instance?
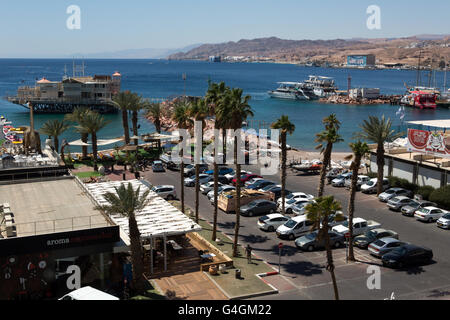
(38, 28)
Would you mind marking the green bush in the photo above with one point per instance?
(372, 175)
(396, 182)
(425, 192)
(441, 197)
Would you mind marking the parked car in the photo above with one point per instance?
(429, 214)
(341, 179)
(296, 195)
(362, 241)
(189, 170)
(269, 187)
(407, 255)
(207, 187)
(203, 178)
(271, 222)
(222, 171)
(309, 242)
(232, 175)
(291, 204)
(360, 226)
(222, 188)
(294, 228)
(371, 186)
(361, 180)
(397, 203)
(252, 181)
(394, 192)
(260, 184)
(415, 205)
(157, 166)
(336, 219)
(333, 174)
(380, 247)
(258, 207)
(277, 192)
(245, 177)
(444, 221)
(299, 208)
(166, 191)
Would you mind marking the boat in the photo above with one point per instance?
(289, 90)
(444, 100)
(322, 87)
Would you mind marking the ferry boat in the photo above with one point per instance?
(289, 90)
(322, 86)
(421, 97)
(95, 92)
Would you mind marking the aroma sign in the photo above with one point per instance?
(428, 142)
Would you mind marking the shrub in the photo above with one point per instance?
(442, 197)
(396, 182)
(372, 175)
(425, 192)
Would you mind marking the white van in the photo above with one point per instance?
(371, 186)
(88, 293)
(294, 228)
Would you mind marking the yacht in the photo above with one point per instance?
(289, 90)
(321, 86)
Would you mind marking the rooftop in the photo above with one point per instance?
(50, 206)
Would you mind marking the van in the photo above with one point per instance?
(294, 228)
(371, 186)
(88, 293)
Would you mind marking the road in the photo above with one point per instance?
(303, 273)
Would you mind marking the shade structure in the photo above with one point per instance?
(134, 138)
(100, 142)
(158, 219)
(441, 124)
(78, 143)
(159, 136)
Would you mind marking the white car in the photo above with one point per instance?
(360, 226)
(166, 191)
(232, 175)
(294, 228)
(252, 181)
(297, 206)
(295, 195)
(371, 186)
(271, 222)
(429, 214)
(203, 178)
(444, 221)
(207, 187)
(340, 180)
(222, 188)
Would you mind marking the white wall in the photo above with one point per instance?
(428, 177)
(403, 170)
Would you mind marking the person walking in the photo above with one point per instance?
(248, 250)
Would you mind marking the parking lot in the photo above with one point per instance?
(305, 271)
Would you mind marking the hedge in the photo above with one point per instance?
(403, 183)
(441, 197)
(425, 192)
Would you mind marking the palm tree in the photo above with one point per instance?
(127, 202)
(123, 101)
(92, 123)
(214, 97)
(360, 149)
(318, 212)
(54, 128)
(77, 116)
(286, 127)
(136, 105)
(181, 116)
(238, 110)
(328, 137)
(199, 112)
(379, 131)
(154, 112)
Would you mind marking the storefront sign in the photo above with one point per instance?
(427, 142)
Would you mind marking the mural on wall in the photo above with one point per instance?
(427, 142)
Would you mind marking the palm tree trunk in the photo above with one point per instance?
(380, 165)
(94, 149)
(84, 149)
(216, 190)
(283, 171)
(56, 143)
(197, 190)
(126, 129)
(351, 206)
(134, 120)
(330, 263)
(238, 200)
(136, 253)
(323, 171)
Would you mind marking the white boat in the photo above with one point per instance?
(322, 86)
(289, 90)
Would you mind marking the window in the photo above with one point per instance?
(363, 224)
(298, 226)
(309, 223)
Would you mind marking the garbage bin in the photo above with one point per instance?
(238, 273)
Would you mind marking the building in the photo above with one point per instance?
(215, 59)
(361, 61)
(364, 93)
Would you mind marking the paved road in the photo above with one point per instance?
(304, 275)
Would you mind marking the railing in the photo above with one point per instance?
(21, 177)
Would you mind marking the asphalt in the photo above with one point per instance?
(305, 273)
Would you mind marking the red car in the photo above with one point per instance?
(245, 178)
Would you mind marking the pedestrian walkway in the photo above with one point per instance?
(191, 286)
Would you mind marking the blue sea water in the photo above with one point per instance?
(163, 79)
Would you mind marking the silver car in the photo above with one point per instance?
(203, 178)
(397, 203)
(394, 192)
(340, 180)
(444, 221)
(167, 192)
(382, 246)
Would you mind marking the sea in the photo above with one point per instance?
(163, 79)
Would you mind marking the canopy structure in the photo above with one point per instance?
(159, 136)
(159, 219)
(441, 124)
(78, 143)
(100, 142)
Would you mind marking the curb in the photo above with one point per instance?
(273, 273)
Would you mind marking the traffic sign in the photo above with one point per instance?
(280, 245)
(347, 235)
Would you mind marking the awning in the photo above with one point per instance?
(100, 142)
(78, 143)
(442, 124)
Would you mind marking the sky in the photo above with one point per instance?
(31, 28)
